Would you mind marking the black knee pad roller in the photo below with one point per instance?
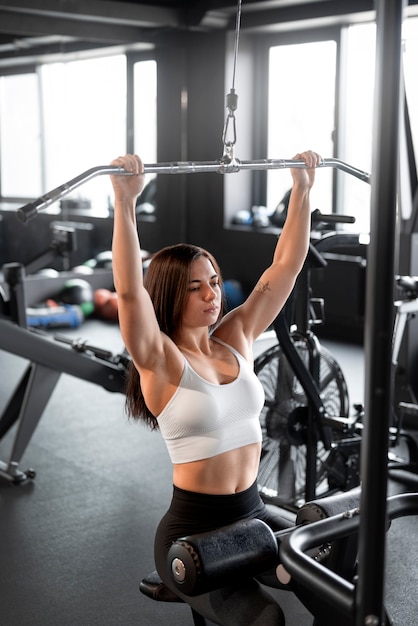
(329, 506)
(207, 561)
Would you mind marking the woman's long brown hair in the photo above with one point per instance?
(166, 280)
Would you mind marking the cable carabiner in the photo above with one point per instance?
(229, 138)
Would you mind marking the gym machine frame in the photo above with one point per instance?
(317, 549)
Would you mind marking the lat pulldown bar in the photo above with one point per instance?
(224, 166)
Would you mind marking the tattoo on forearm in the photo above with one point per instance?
(262, 287)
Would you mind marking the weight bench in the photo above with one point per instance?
(258, 555)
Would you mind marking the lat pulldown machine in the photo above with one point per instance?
(362, 602)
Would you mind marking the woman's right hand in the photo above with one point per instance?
(128, 187)
(305, 177)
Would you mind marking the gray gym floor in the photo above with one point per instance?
(75, 542)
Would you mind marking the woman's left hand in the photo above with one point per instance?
(302, 176)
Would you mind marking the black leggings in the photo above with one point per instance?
(190, 513)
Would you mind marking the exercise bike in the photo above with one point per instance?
(311, 445)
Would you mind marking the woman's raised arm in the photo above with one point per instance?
(138, 324)
(277, 281)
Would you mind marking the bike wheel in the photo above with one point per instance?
(282, 472)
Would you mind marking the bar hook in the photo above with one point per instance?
(229, 137)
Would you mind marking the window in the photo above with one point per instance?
(301, 112)
(145, 110)
(20, 136)
(84, 108)
(359, 108)
(301, 106)
(65, 118)
(410, 64)
(356, 127)
(145, 123)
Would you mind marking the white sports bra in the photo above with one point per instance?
(204, 419)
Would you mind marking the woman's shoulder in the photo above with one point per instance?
(234, 340)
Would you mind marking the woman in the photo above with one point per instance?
(192, 377)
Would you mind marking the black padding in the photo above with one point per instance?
(153, 587)
(281, 518)
(328, 507)
(208, 561)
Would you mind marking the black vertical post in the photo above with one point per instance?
(14, 275)
(379, 314)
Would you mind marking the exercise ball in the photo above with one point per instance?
(78, 291)
(83, 269)
(101, 296)
(48, 272)
(90, 263)
(109, 309)
(104, 259)
(234, 294)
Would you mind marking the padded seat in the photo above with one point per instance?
(153, 587)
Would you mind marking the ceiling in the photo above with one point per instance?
(29, 28)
